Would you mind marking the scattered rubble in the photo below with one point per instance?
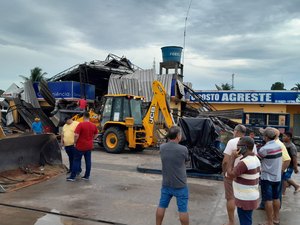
(114, 75)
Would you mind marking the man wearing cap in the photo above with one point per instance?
(37, 126)
(271, 170)
(67, 139)
(286, 159)
(238, 132)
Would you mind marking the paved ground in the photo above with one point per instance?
(118, 194)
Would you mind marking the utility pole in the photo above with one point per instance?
(232, 81)
(184, 32)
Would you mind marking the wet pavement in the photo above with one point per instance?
(118, 194)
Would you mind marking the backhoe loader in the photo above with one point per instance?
(122, 122)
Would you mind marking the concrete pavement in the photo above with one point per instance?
(118, 194)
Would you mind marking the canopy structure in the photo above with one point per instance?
(97, 72)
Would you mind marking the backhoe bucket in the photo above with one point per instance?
(21, 151)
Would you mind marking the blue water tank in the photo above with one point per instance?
(171, 53)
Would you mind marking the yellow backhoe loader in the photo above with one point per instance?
(122, 121)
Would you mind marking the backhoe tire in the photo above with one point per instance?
(114, 140)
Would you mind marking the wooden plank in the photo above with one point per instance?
(2, 134)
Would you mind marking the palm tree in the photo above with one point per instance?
(297, 87)
(225, 86)
(35, 75)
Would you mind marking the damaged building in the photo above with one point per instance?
(58, 95)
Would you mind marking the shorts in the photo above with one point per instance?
(181, 194)
(270, 190)
(287, 174)
(228, 188)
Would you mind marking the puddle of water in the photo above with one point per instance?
(49, 219)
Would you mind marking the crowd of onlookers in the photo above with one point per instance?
(245, 169)
(271, 166)
(250, 175)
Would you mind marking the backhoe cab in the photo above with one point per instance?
(122, 121)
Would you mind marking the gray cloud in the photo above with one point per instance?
(256, 40)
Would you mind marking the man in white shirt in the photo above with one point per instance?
(238, 132)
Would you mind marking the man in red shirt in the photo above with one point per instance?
(82, 103)
(85, 133)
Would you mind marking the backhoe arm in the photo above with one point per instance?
(158, 103)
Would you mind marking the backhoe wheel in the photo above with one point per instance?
(114, 140)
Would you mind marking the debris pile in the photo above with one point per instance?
(53, 99)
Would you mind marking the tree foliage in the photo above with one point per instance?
(297, 87)
(36, 74)
(278, 86)
(223, 86)
(1, 92)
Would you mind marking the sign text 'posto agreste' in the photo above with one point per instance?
(277, 97)
(237, 97)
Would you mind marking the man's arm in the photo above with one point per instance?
(229, 167)
(62, 139)
(286, 159)
(76, 136)
(230, 146)
(294, 154)
(285, 165)
(235, 171)
(95, 132)
(225, 162)
(76, 133)
(295, 163)
(261, 153)
(187, 157)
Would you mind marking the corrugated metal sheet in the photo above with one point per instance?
(29, 94)
(28, 113)
(166, 80)
(146, 78)
(187, 94)
(115, 84)
(138, 83)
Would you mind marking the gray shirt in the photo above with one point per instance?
(292, 150)
(173, 158)
(271, 163)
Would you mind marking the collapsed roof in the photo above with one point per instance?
(97, 72)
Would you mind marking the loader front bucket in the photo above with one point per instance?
(20, 151)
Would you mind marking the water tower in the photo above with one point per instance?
(171, 56)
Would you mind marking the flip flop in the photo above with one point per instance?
(276, 222)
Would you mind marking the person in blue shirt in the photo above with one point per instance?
(37, 126)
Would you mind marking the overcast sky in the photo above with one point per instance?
(258, 40)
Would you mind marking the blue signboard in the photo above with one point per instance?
(264, 97)
(68, 90)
